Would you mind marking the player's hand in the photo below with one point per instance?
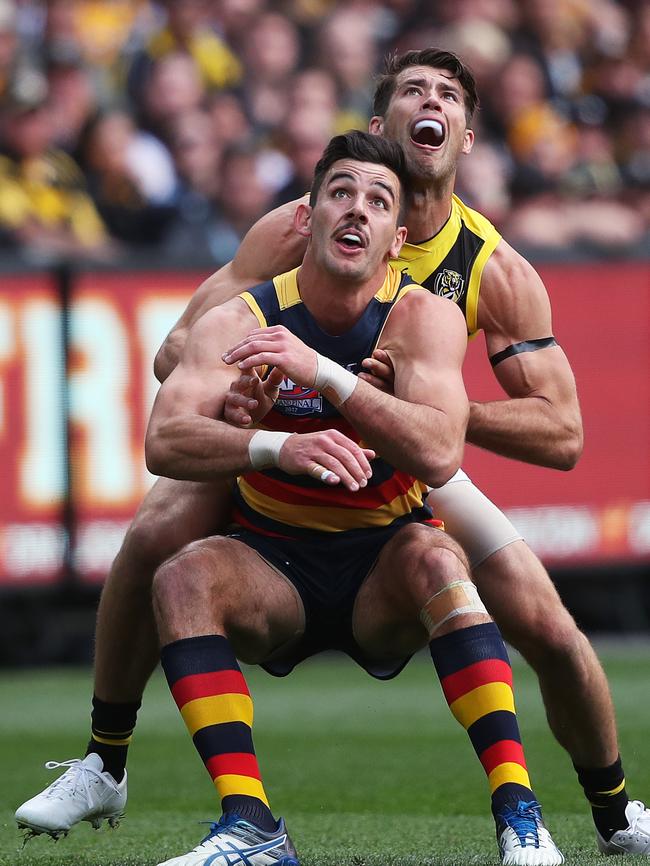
(379, 371)
(276, 347)
(328, 456)
(250, 398)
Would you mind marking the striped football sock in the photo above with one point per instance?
(212, 695)
(111, 733)
(474, 670)
(604, 787)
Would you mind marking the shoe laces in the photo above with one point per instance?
(77, 774)
(640, 820)
(524, 820)
(224, 823)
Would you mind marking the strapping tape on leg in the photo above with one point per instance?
(456, 598)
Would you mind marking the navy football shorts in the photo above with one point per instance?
(327, 574)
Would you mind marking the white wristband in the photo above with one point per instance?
(334, 381)
(264, 448)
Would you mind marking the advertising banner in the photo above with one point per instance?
(598, 512)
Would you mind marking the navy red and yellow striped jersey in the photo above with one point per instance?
(274, 503)
(451, 263)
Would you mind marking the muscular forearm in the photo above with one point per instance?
(529, 429)
(415, 438)
(196, 448)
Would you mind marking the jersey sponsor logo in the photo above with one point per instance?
(295, 400)
(448, 284)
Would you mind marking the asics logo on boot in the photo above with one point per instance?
(242, 855)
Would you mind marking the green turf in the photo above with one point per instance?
(367, 773)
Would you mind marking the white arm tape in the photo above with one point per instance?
(264, 448)
(334, 381)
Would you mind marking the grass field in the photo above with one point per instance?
(366, 773)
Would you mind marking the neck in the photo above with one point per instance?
(335, 303)
(427, 210)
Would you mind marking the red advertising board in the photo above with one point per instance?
(599, 511)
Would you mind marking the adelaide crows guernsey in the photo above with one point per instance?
(451, 263)
(272, 502)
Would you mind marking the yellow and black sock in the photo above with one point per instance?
(111, 734)
(212, 695)
(474, 670)
(604, 787)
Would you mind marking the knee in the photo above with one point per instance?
(436, 561)
(176, 583)
(548, 636)
(149, 540)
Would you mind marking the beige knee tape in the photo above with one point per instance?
(457, 598)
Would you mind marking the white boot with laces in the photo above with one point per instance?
(635, 838)
(83, 793)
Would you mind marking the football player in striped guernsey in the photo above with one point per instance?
(329, 507)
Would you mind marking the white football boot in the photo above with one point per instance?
(635, 839)
(83, 793)
(523, 839)
(235, 842)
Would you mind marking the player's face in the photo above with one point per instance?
(426, 115)
(354, 220)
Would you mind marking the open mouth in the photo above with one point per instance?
(351, 239)
(428, 133)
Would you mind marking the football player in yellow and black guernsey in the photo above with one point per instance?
(425, 100)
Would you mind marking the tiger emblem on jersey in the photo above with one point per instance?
(448, 284)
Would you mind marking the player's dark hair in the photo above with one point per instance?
(437, 58)
(362, 147)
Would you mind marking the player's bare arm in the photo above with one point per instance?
(539, 421)
(270, 247)
(187, 438)
(425, 338)
(419, 430)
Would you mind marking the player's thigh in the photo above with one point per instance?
(416, 563)
(520, 595)
(219, 583)
(479, 526)
(174, 513)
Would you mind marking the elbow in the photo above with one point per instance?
(154, 455)
(571, 450)
(438, 471)
(168, 354)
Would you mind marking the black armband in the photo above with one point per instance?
(526, 346)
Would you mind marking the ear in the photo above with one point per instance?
(468, 141)
(302, 220)
(398, 243)
(376, 125)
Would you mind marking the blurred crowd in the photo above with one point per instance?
(172, 126)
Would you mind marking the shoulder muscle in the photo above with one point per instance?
(514, 305)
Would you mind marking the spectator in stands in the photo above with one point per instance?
(308, 128)
(173, 88)
(229, 122)
(271, 55)
(187, 30)
(73, 97)
(44, 203)
(236, 18)
(131, 178)
(217, 229)
(565, 86)
(348, 48)
(9, 45)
